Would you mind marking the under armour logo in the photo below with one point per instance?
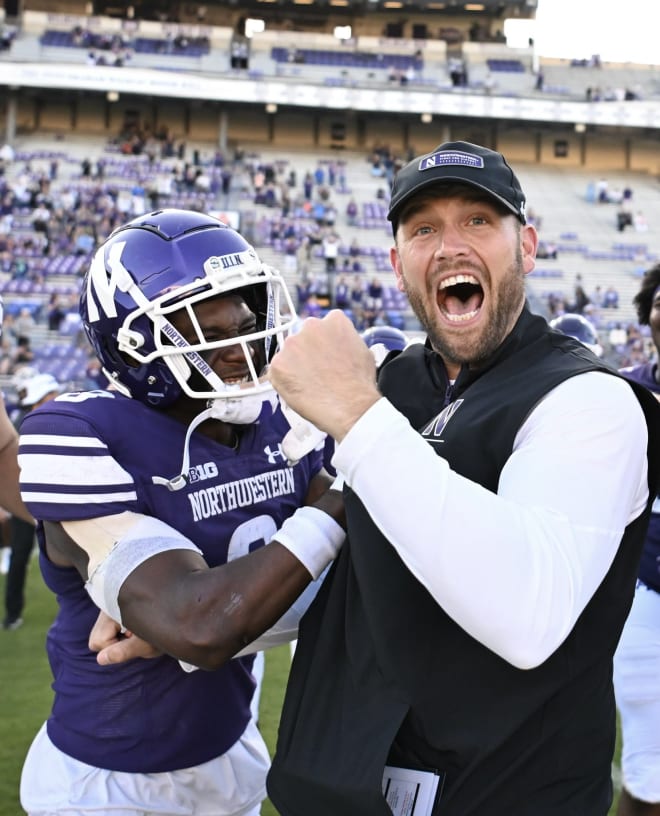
(274, 454)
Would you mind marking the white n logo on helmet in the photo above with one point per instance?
(103, 287)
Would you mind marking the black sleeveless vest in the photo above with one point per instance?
(382, 675)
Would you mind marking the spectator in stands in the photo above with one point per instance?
(291, 255)
(21, 354)
(611, 298)
(84, 237)
(312, 307)
(556, 304)
(354, 249)
(342, 293)
(624, 218)
(580, 300)
(94, 376)
(318, 212)
(303, 291)
(330, 251)
(373, 303)
(639, 222)
(56, 312)
(330, 215)
(7, 153)
(308, 185)
(374, 298)
(352, 212)
(602, 191)
(41, 217)
(358, 301)
(24, 324)
(547, 249)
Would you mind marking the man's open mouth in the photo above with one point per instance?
(460, 297)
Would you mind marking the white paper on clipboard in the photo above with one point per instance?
(409, 792)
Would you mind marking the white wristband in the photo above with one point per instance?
(313, 537)
(146, 538)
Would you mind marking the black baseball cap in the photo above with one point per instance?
(462, 162)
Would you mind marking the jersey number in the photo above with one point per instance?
(250, 536)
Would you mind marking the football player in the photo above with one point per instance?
(637, 659)
(155, 500)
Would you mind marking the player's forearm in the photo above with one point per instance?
(206, 616)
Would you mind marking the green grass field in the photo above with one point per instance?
(25, 693)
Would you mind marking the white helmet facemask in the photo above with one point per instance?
(235, 403)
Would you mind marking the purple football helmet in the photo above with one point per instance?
(579, 328)
(388, 336)
(159, 264)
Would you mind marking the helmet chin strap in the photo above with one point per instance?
(236, 411)
(303, 437)
(297, 443)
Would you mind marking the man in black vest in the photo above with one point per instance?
(498, 485)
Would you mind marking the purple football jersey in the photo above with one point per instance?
(94, 454)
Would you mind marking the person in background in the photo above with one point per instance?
(33, 391)
(498, 483)
(155, 499)
(10, 495)
(342, 293)
(637, 659)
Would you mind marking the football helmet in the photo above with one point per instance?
(35, 388)
(578, 327)
(383, 339)
(391, 337)
(164, 262)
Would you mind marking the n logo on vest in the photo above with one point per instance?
(434, 430)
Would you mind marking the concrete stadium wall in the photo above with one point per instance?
(646, 155)
(91, 116)
(212, 121)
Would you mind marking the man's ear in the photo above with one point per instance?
(529, 241)
(396, 266)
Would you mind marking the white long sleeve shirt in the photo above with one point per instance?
(515, 568)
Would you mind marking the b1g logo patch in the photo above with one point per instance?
(200, 473)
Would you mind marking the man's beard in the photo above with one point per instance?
(504, 312)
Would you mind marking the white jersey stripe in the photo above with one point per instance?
(56, 470)
(78, 498)
(59, 441)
